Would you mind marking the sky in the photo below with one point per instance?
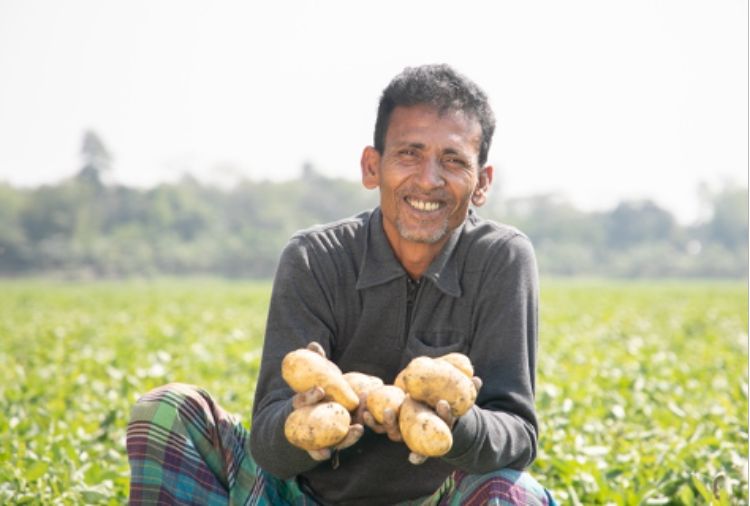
(597, 102)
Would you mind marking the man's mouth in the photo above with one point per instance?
(423, 205)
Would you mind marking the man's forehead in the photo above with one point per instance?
(424, 119)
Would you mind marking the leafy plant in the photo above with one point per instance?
(642, 390)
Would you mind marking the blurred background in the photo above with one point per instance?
(143, 139)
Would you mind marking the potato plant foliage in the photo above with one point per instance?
(642, 390)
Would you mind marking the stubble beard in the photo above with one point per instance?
(431, 233)
(415, 234)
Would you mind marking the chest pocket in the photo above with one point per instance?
(434, 343)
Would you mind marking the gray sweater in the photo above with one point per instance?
(341, 285)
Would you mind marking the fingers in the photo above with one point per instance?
(416, 458)
(359, 414)
(355, 432)
(372, 423)
(388, 427)
(390, 422)
(320, 455)
(317, 348)
(308, 398)
(443, 410)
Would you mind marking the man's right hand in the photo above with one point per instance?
(314, 396)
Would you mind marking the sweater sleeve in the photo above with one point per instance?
(501, 429)
(299, 313)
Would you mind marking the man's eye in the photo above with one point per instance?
(452, 160)
(408, 153)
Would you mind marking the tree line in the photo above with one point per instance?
(83, 227)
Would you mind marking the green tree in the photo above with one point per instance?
(96, 159)
(728, 224)
(15, 256)
(639, 221)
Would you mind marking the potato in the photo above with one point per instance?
(430, 380)
(399, 381)
(362, 383)
(318, 426)
(422, 430)
(304, 369)
(385, 396)
(460, 362)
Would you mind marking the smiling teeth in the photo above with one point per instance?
(424, 206)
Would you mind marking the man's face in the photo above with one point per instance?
(427, 174)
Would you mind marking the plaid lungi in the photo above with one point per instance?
(184, 449)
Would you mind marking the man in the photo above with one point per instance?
(421, 274)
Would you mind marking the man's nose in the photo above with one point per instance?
(430, 174)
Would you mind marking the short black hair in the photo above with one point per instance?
(441, 87)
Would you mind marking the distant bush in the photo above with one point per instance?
(82, 228)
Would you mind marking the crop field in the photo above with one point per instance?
(642, 388)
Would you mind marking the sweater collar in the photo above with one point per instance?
(380, 265)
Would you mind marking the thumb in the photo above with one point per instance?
(477, 382)
(355, 432)
(416, 458)
(317, 348)
(320, 455)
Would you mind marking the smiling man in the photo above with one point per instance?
(428, 168)
(421, 274)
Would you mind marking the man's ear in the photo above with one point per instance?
(479, 196)
(370, 164)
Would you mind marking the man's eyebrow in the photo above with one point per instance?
(454, 151)
(403, 144)
(418, 145)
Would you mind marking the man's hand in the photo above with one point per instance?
(442, 409)
(389, 425)
(316, 395)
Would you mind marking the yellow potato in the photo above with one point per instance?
(430, 380)
(422, 430)
(362, 383)
(304, 369)
(385, 396)
(318, 426)
(460, 362)
(399, 381)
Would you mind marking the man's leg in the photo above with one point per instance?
(505, 487)
(184, 449)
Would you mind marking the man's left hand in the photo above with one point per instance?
(443, 410)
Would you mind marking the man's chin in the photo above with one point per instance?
(422, 236)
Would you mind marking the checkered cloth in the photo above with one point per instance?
(184, 449)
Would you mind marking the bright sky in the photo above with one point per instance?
(598, 101)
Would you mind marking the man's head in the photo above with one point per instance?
(442, 88)
(431, 140)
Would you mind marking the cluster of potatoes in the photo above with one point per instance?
(413, 397)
